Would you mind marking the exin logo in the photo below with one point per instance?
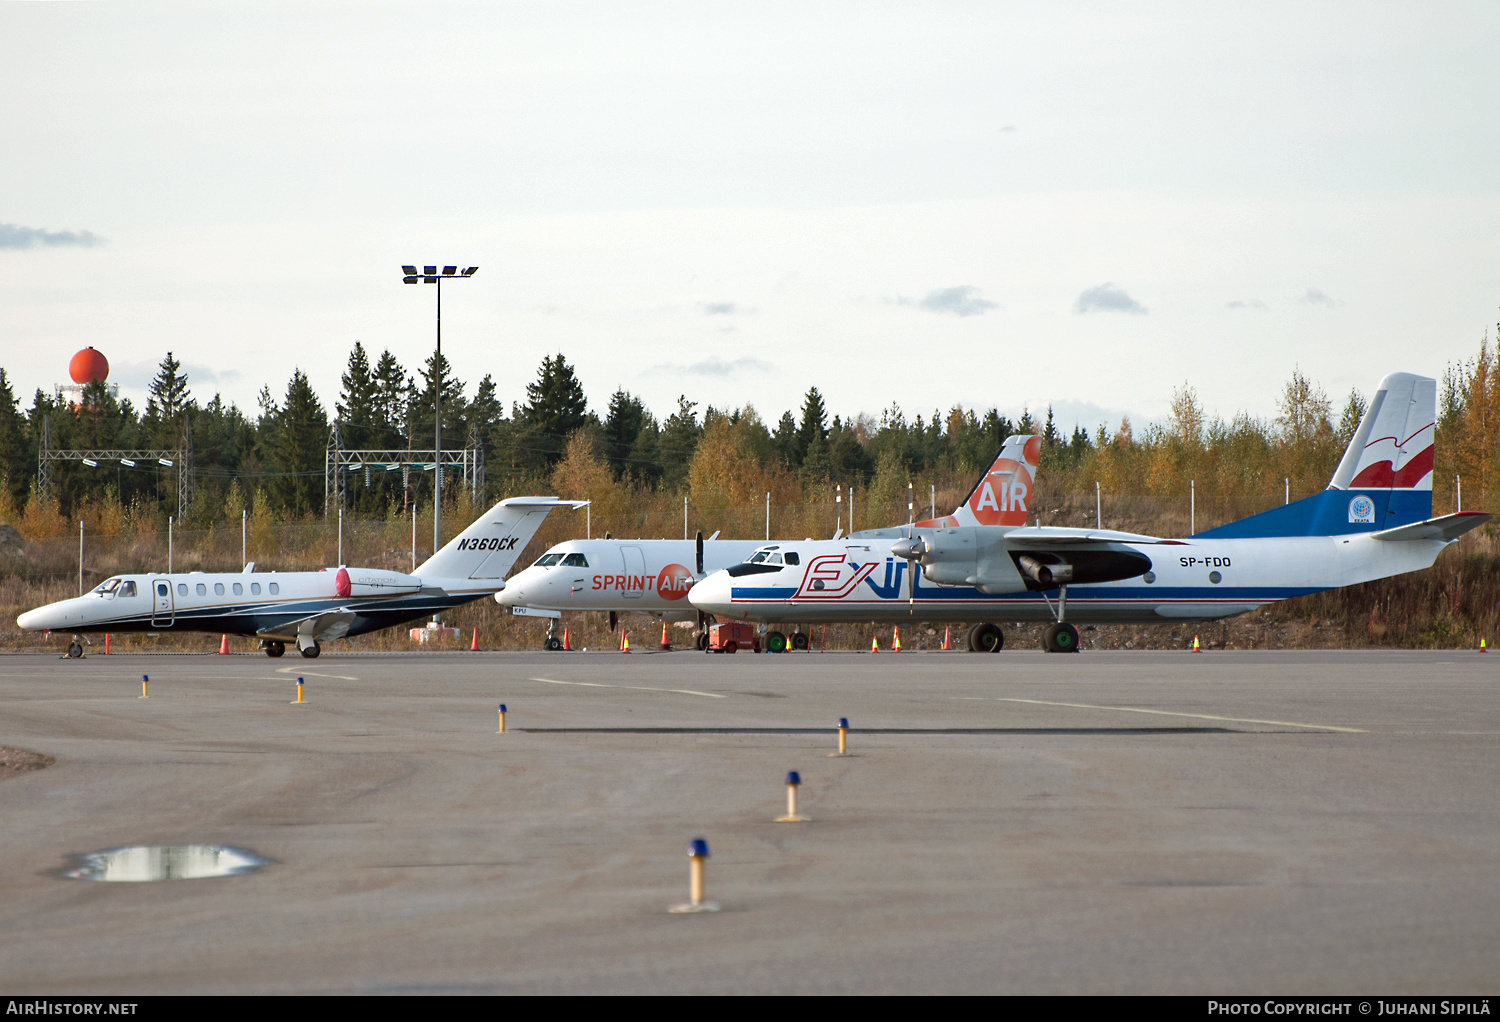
(1362, 511)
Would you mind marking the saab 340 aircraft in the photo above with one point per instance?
(305, 608)
(984, 564)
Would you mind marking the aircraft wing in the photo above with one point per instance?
(324, 627)
(1052, 536)
(1445, 527)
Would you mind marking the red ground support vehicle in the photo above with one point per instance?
(731, 636)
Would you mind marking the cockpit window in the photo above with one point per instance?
(127, 588)
(576, 561)
(774, 559)
(792, 558)
(108, 587)
(760, 556)
(547, 560)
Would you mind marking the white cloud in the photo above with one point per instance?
(1108, 298)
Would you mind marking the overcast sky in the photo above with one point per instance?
(987, 204)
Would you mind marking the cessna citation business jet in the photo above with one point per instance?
(619, 576)
(305, 608)
(984, 564)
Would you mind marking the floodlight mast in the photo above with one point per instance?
(430, 275)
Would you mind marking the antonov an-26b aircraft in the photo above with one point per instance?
(305, 608)
(985, 564)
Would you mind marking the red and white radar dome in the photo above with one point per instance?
(88, 366)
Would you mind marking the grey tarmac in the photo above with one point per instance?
(1222, 823)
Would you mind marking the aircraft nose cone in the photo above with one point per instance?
(511, 595)
(40, 619)
(712, 593)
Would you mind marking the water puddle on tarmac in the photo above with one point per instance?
(142, 863)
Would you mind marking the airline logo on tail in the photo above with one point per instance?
(1393, 447)
(1003, 494)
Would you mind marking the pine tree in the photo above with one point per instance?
(356, 407)
(555, 406)
(785, 439)
(621, 428)
(389, 406)
(15, 463)
(168, 401)
(298, 437)
(1354, 410)
(423, 407)
(679, 439)
(812, 434)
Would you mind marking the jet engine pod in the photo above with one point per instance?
(1108, 562)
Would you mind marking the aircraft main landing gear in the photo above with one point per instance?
(1059, 636)
(986, 638)
(775, 642)
(275, 649)
(311, 652)
(799, 641)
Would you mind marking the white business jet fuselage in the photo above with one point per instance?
(306, 608)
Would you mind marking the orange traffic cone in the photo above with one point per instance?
(664, 643)
(946, 644)
(874, 644)
(475, 644)
(1196, 647)
(223, 645)
(1481, 644)
(895, 639)
(567, 645)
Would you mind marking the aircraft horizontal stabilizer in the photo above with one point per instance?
(1444, 527)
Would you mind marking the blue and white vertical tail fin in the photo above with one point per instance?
(1383, 481)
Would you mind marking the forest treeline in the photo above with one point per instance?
(631, 460)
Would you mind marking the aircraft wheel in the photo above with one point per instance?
(775, 642)
(75, 650)
(1061, 638)
(553, 644)
(702, 641)
(986, 638)
(799, 641)
(311, 652)
(275, 648)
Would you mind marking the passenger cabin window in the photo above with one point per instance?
(162, 590)
(576, 561)
(202, 589)
(254, 588)
(547, 560)
(239, 590)
(792, 558)
(181, 588)
(275, 589)
(218, 588)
